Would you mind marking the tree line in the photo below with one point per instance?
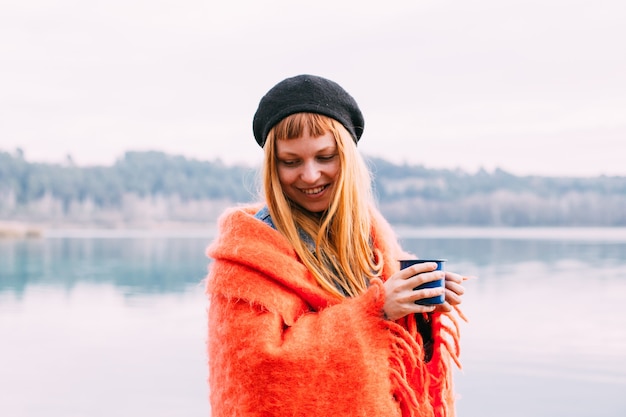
(155, 186)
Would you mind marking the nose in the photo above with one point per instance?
(310, 172)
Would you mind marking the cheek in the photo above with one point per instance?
(333, 170)
(285, 177)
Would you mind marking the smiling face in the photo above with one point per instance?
(308, 168)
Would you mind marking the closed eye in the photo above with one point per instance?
(289, 162)
(327, 158)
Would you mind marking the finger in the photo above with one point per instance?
(454, 287)
(419, 268)
(425, 277)
(402, 275)
(453, 298)
(426, 293)
(420, 308)
(451, 276)
(444, 308)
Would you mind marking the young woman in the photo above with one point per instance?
(309, 314)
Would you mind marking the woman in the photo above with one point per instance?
(309, 314)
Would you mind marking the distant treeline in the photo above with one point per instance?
(151, 187)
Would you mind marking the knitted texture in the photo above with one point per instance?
(279, 345)
(307, 94)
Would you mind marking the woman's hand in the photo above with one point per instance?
(454, 291)
(400, 295)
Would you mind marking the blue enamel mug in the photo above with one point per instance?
(405, 263)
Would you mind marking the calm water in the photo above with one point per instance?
(109, 325)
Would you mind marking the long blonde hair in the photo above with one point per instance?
(343, 256)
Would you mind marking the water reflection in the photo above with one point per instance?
(170, 264)
(547, 331)
(481, 252)
(136, 265)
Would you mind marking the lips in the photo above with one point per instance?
(313, 191)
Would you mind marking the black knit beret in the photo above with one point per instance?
(307, 94)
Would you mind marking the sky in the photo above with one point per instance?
(531, 87)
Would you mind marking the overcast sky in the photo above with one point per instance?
(532, 87)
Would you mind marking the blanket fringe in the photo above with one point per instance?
(407, 371)
(425, 389)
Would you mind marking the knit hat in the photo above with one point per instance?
(307, 94)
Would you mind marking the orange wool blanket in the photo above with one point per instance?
(279, 346)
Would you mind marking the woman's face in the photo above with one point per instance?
(308, 168)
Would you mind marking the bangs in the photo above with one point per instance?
(295, 125)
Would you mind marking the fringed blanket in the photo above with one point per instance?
(280, 346)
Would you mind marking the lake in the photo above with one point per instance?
(96, 323)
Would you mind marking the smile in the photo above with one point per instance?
(312, 191)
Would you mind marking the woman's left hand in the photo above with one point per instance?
(454, 291)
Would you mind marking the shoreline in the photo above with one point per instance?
(43, 230)
(18, 230)
(23, 230)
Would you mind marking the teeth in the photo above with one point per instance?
(313, 190)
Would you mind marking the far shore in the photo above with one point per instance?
(18, 230)
(208, 229)
(24, 230)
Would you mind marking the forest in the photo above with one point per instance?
(151, 188)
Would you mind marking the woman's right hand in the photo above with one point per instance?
(400, 295)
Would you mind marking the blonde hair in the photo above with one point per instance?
(343, 254)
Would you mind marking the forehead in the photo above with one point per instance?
(306, 144)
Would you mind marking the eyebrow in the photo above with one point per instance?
(323, 150)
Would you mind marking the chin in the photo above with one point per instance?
(313, 208)
(316, 209)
